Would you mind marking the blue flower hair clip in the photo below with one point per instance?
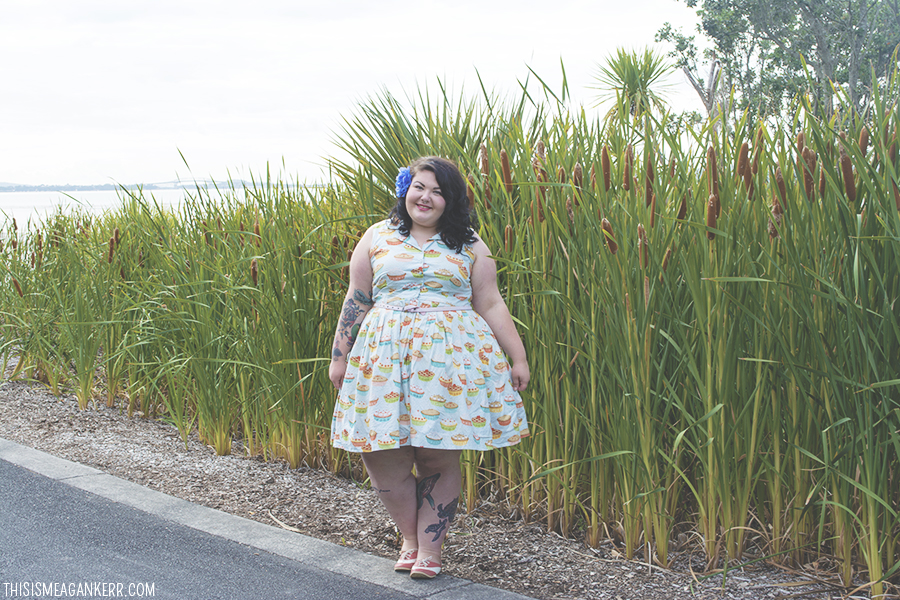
(401, 185)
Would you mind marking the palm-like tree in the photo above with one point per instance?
(635, 81)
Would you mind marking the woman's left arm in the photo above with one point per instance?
(487, 302)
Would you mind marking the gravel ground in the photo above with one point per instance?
(488, 546)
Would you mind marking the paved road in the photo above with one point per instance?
(67, 529)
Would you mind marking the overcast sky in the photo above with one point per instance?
(97, 91)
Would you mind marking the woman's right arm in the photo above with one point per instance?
(357, 304)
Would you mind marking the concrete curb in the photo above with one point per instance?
(294, 546)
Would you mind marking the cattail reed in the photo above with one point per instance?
(484, 160)
(777, 210)
(539, 149)
(18, 287)
(508, 238)
(712, 174)
(609, 235)
(593, 177)
(112, 248)
(801, 143)
(577, 176)
(779, 183)
(682, 209)
(711, 216)
(254, 272)
(561, 174)
(116, 236)
(847, 173)
(757, 150)
(605, 167)
(743, 163)
(569, 210)
(864, 140)
(666, 259)
(256, 231)
(643, 247)
(507, 173)
(809, 169)
(626, 171)
(649, 176)
(652, 211)
(470, 191)
(241, 234)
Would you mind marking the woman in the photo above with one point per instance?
(416, 358)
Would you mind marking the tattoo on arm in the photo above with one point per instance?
(347, 325)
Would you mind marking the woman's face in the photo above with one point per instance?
(424, 200)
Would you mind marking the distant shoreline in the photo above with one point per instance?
(110, 187)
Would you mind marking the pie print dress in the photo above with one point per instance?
(426, 369)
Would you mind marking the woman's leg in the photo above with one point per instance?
(391, 474)
(439, 480)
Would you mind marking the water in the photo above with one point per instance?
(36, 206)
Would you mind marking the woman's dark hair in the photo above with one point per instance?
(457, 224)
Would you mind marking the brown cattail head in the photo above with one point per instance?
(470, 191)
(32, 260)
(14, 242)
(570, 212)
(864, 140)
(540, 208)
(507, 173)
(712, 176)
(896, 195)
(773, 230)
(757, 150)
(256, 231)
(593, 177)
(254, 271)
(652, 211)
(779, 183)
(809, 169)
(822, 183)
(801, 142)
(605, 167)
(561, 174)
(847, 173)
(777, 209)
(711, 217)
(609, 235)
(648, 182)
(666, 259)
(577, 175)
(112, 248)
(643, 247)
(116, 236)
(626, 171)
(539, 149)
(508, 238)
(682, 209)
(743, 163)
(485, 162)
(18, 287)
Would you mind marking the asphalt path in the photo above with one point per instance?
(71, 530)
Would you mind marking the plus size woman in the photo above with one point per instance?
(426, 358)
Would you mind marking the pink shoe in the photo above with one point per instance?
(407, 560)
(425, 568)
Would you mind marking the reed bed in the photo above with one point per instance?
(709, 313)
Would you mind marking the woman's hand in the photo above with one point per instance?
(336, 372)
(520, 376)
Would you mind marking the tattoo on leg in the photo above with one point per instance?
(380, 491)
(424, 487)
(446, 515)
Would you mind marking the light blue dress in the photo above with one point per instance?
(426, 369)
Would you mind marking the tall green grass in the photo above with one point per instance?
(729, 371)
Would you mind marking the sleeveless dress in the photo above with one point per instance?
(426, 369)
